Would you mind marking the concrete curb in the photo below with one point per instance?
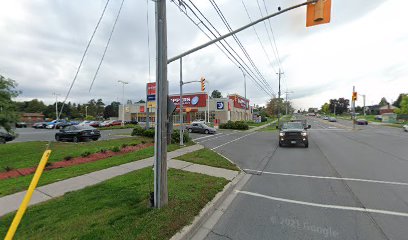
(189, 231)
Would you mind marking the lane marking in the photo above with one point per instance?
(332, 178)
(207, 136)
(232, 141)
(357, 209)
(224, 135)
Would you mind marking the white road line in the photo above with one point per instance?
(333, 178)
(207, 136)
(232, 141)
(224, 135)
(368, 210)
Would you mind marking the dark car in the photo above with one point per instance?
(293, 133)
(78, 133)
(61, 125)
(132, 122)
(200, 128)
(332, 119)
(21, 124)
(5, 136)
(40, 125)
(361, 122)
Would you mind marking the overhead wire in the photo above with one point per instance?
(83, 57)
(107, 45)
(229, 55)
(224, 20)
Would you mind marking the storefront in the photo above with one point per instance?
(196, 106)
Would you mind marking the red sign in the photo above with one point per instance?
(240, 102)
(151, 88)
(191, 100)
(141, 109)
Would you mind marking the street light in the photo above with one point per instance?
(123, 100)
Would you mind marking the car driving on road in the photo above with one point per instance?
(293, 133)
(361, 122)
(78, 133)
(200, 128)
(39, 125)
(332, 119)
(405, 127)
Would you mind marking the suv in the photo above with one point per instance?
(293, 133)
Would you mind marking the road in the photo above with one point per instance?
(346, 185)
(31, 134)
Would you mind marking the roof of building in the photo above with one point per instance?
(33, 115)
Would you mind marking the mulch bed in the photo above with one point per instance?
(74, 161)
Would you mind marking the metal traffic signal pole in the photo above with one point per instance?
(160, 145)
(353, 102)
(181, 103)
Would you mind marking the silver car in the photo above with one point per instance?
(405, 127)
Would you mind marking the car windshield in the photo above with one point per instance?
(292, 125)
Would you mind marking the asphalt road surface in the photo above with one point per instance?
(346, 185)
(31, 134)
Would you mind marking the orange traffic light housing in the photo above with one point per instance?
(202, 81)
(318, 13)
(354, 96)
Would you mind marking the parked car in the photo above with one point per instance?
(116, 123)
(53, 124)
(105, 123)
(40, 125)
(131, 122)
(61, 125)
(378, 117)
(94, 124)
(84, 123)
(293, 133)
(6, 136)
(78, 133)
(200, 128)
(361, 122)
(332, 119)
(405, 127)
(21, 125)
(325, 118)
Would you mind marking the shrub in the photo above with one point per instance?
(149, 133)
(67, 158)
(138, 131)
(102, 150)
(85, 154)
(8, 168)
(240, 125)
(124, 145)
(134, 144)
(115, 149)
(48, 164)
(143, 141)
(175, 137)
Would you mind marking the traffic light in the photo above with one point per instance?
(354, 96)
(318, 13)
(202, 81)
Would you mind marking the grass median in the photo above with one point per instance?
(118, 209)
(28, 154)
(13, 185)
(208, 157)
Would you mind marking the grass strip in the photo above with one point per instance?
(118, 209)
(13, 185)
(208, 157)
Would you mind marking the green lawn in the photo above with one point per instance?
(13, 185)
(208, 157)
(28, 154)
(118, 209)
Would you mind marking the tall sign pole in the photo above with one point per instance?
(353, 105)
(181, 103)
(279, 96)
(160, 145)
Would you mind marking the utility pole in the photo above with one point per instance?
(279, 96)
(160, 145)
(246, 107)
(181, 104)
(123, 100)
(56, 105)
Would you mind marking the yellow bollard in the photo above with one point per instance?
(27, 197)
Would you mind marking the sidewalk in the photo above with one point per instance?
(12, 202)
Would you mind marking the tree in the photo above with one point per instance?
(383, 102)
(341, 105)
(216, 94)
(326, 108)
(141, 101)
(273, 105)
(111, 110)
(397, 103)
(403, 106)
(8, 114)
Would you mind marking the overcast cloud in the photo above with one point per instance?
(366, 45)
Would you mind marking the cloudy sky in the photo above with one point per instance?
(366, 45)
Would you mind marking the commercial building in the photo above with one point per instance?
(196, 106)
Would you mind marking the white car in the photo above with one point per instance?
(405, 127)
(84, 123)
(105, 123)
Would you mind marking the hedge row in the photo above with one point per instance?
(175, 136)
(240, 125)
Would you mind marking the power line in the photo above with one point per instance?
(224, 20)
(273, 36)
(107, 45)
(83, 56)
(237, 62)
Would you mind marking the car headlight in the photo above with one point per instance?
(304, 134)
(282, 134)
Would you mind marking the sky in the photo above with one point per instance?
(365, 45)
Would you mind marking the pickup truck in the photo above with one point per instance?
(293, 133)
